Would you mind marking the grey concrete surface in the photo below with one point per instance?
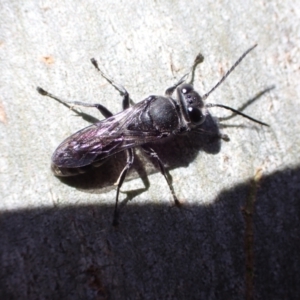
(236, 235)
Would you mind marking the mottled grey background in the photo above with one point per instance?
(237, 233)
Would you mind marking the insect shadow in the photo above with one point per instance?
(170, 131)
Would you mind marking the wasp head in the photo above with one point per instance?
(192, 106)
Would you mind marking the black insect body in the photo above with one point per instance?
(152, 119)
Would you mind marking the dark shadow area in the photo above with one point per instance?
(158, 251)
(250, 102)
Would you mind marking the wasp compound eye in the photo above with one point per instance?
(196, 115)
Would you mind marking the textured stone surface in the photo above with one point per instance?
(237, 233)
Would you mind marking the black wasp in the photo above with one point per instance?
(154, 118)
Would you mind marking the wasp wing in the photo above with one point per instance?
(104, 138)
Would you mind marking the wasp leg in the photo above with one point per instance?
(129, 162)
(153, 155)
(129, 152)
(120, 88)
(71, 104)
(106, 113)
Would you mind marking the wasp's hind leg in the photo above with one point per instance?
(120, 88)
(153, 155)
(129, 152)
(72, 104)
(129, 162)
(103, 110)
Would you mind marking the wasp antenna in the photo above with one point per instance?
(198, 60)
(237, 112)
(169, 91)
(229, 71)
